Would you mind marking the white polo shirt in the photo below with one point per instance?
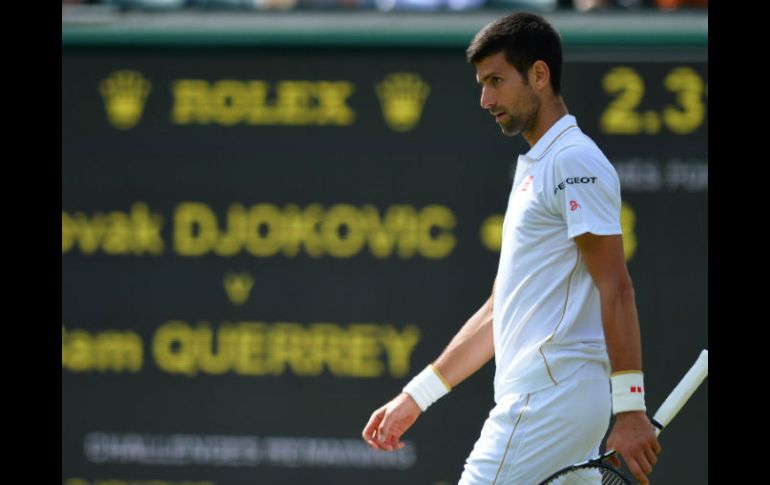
(547, 318)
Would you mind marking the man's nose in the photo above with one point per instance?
(486, 99)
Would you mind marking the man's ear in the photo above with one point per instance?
(539, 75)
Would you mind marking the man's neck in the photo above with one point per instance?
(546, 117)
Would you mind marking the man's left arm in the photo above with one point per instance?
(633, 435)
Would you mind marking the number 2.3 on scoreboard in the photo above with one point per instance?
(623, 115)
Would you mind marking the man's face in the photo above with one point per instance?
(506, 95)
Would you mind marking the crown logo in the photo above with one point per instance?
(124, 94)
(238, 287)
(402, 96)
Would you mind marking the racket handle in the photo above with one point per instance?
(682, 392)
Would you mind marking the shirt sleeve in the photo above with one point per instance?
(586, 191)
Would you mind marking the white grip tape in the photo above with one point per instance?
(627, 392)
(427, 387)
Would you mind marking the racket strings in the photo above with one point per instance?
(611, 478)
(590, 475)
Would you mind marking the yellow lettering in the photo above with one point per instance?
(260, 349)
(211, 361)
(382, 238)
(174, 350)
(191, 102)
(621, 116)
(330, 340)
(399, 347)
(146, 229)
(116, 233)
(118, 351)
(195, 229)
(289, 344)
(408, 222)
(332, 99)
(691, 111)
(231, 242)
(107, 351)
(259, 112)
(293, 102)
(399, 226)
(78, 345)
(263, 230)
(89, 232)
(300, 228)
(116, 240)
(343, 231)
(250, 357)
(310, 230)
(292, 230)
(436, 240)
(231, 101)
(364, 351)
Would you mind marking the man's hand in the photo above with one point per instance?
(387, 424)
(633, 436)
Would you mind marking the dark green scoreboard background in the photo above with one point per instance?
(261, 245)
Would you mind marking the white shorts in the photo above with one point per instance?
(529, 436)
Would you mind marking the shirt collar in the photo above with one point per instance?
(549, 137)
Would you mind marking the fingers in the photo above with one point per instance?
(387, 424)
(656, 447)
(378, 432)
(391, 443)
(385, 436)
(370, 430)
(650, 455)
(640, 465)
(633, 437)
(639, 469)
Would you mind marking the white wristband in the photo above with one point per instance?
(627, 391)
(427, 387)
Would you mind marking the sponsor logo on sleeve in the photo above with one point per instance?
(527, 182)
(573, 181)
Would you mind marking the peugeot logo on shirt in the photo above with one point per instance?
(574, 180)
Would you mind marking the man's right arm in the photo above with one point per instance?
(471, 348)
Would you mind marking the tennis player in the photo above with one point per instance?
(561, 321)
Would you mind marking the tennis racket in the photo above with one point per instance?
(596, 470)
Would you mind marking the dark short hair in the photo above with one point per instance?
(525, 38)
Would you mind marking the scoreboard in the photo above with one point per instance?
(262, 244)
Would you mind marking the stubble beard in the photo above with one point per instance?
(522, 121)
(512, 127)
